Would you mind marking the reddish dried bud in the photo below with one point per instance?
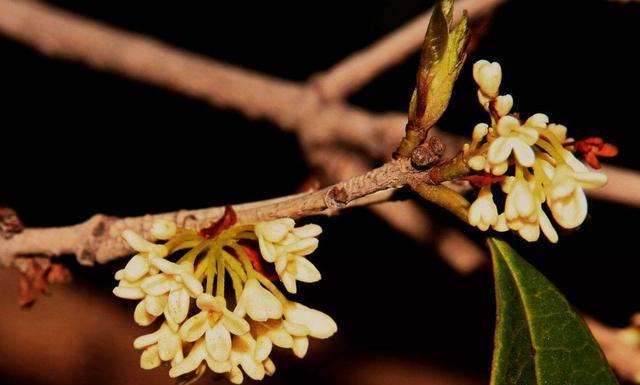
(482, 180)
(36, 274)
(10, 224)
(593, 147)
(229, 218)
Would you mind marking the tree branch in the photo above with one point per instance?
(98, 239)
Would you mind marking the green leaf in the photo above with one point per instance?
(539, 339)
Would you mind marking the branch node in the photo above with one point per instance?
(336, 197)
(428, 153)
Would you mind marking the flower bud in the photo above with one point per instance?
(488, 77)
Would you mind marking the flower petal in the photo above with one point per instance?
(547, 227)
(192, 283)
(218, 366)
(150, 359)
(273, 231)
(235, 376)
(295, 329)
(191, 361)
(168, 343)
(300, 346)
(302, 247)
(234, 324)
(320, 324)
(195, 327)
(259, 303)
(523, 152)
(307, 272)
(178, 305)
(289, 282)
(163, 229)
(128, 292)
(307, 231)
(145, 340)
(166, 266)
(267, 249)
(155, 304)
(262, 349)
(218, 342)
(141, 316)
(499, 150)
(136, 268)
(156, 284)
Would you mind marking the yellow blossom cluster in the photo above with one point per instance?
(231, 340)
(535, 159)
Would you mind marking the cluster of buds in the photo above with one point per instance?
(229, 340)
(534, 162)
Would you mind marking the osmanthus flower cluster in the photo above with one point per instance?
(535, 163)
(230, 329)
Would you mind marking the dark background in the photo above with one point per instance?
(75, 141)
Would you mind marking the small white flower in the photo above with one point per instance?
(258, 302)
(280, 242)
(243, 353)
(483, 211)
(488, 77)
(520, 203)
(215, 323)
(163, 344)
(193, 361)
(271, 233)
(566, 198)
(320, 325)
(167, 292)
(515, 138)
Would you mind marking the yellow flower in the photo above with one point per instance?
(167, 293)
(483, 211)
(258, 302)
(161, 345)
(320, 325)
(140, 264)
(280, 242)
(244, 353)
(515, 138)
(193, 361)
(566, 198)
(216, 323)
(270, 234)
(523, 211)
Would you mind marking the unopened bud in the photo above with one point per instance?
(488, 77)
